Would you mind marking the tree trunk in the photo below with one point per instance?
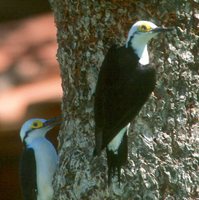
(163, 144)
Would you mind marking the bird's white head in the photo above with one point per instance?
(139, 35)
(142, 32)
(36, 128)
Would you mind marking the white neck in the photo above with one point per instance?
(143, 55)
(29, 140)
(142, 52)
(140, 47)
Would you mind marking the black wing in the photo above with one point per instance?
(28, 174)
(100, 98)
(123, 87)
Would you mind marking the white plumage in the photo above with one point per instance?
(39, 159)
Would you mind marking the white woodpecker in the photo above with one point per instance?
(125, 82)
(39, 159)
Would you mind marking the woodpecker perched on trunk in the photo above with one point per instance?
(124, 84)
(39, 159)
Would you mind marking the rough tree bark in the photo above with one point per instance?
(163, 145)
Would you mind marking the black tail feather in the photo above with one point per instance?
(98, 143)
(116, 160)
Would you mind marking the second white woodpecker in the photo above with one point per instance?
(39, 159)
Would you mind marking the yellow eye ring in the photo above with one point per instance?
(144, 27)
(37, 124)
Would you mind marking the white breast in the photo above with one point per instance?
(46, 163)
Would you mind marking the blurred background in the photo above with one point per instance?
(30, 84)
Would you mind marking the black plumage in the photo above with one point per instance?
(123, 87)
(116, 161)
(28, 174)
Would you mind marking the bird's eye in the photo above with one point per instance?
(144, 28)
(36, 124)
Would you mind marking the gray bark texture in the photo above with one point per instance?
(163, 143)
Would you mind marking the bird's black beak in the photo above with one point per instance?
(161, 30)
(53, 121)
